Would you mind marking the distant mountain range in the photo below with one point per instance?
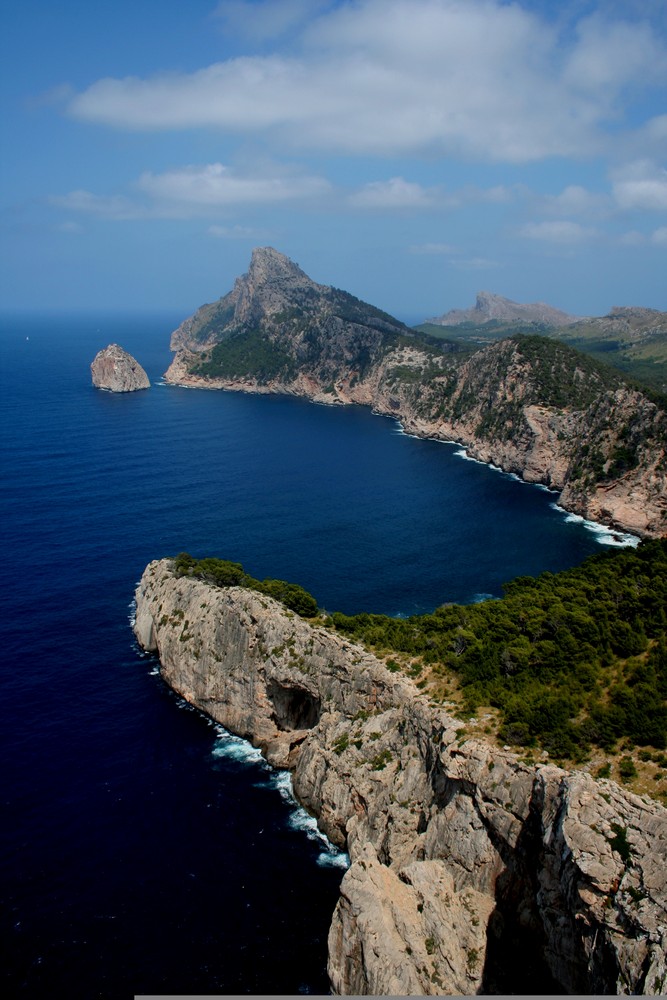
(527, 403)
(490, 308)
(631, 338)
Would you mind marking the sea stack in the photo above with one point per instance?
(117, 371)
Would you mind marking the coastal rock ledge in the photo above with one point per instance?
(471, 872)
(115, 370)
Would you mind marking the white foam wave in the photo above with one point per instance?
(237, 749)
(329, 855)
(334, 859)
(604, 535)
(400, 429)
(233, 747)
(462, 453)
(479, 598)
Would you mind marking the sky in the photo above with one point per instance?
(412, 152)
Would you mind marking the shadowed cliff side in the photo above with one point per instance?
(528, 404)
(470, 871)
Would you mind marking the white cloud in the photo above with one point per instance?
(655, 129)
(609, 54)
(478, 78)
(103, 206)
(659, 237)
(194, 191)
(558, 231)
(75, 228)
(266, 19)
(475, 263)
(434, 249)
(394, 193)
(238, 233)
(641, 185)
(216, 185)
(633, 238)
(577, 200)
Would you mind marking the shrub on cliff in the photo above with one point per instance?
(222, 573)
(569, 659)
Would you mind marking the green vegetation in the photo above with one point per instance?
(619, 842)
(563, 376)
(247, 354)
(637, 346)
(353, 310)
(569, 660)
(222, 573)
(633, 342)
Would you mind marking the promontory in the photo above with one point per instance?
(115, 370)
(472, 870)
(529, 404)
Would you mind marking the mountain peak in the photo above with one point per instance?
(267, 264)
(490, 307)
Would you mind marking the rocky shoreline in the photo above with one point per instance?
(470, 870)
(622, 507)
(528, 405)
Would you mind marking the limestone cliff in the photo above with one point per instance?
(470, 871)
(117, 371)
(530, 405)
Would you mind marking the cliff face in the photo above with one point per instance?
(469, 870)
(117, 371)
(529, 405)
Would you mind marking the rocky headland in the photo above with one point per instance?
(115, 370)
(470, 870)
(527, 404)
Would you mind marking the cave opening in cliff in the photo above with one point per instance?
(293, 707)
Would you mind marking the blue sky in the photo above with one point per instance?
(412, 152)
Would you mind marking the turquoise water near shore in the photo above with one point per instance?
(143, 850)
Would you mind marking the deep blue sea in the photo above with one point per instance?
(143, 849)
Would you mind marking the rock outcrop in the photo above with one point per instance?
(529, 405)
(470, 871)
(115, 370)
(491, 308)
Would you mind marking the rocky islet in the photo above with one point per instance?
(115, 370)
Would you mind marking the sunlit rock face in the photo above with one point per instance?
(115, 370)
(471, 872)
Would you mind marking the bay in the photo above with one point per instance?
(142, 849)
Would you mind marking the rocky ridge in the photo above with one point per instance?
(494, 308)
(115, 370)
(470, 871)
(529, 405)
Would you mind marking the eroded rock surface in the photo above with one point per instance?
(117, 371)
(469, 870)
